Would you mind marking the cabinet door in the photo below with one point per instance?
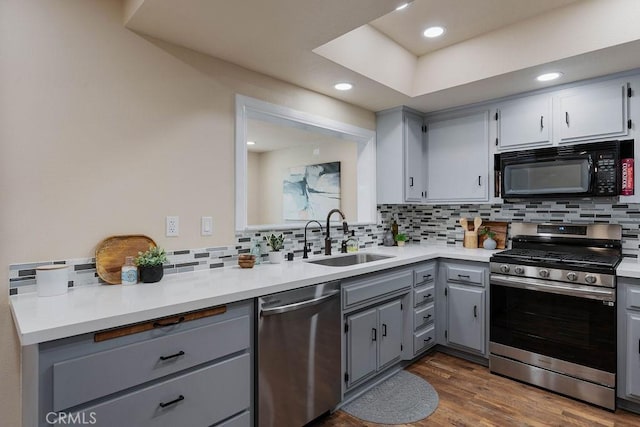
(524, 122)
(466, 316)
(633, 355)
(458, 159)
(390, 332)
(361, 344)
(592, 112)
(414, 153)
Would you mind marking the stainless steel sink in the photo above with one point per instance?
(351, 259)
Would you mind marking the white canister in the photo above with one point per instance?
(52, 280)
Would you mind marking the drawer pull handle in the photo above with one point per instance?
(384, 330)
(466, 276)
(173, 356)
(475, 311)
(426, 277)
(163, 325)
(374, 334)
(426, 296)
(173, 402)
(426, 317)
(428, 339)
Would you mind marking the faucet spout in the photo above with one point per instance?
(345, 228)
(305, 251)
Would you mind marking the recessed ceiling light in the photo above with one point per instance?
(433, 32)
(251, 143)
(548, 76)
(402, 6)
(343, 86)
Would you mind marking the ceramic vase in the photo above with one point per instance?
(276, 257)
(489, 243)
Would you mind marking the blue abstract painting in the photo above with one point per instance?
(310, 192)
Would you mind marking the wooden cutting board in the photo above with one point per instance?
(500, 228)
(111, 252)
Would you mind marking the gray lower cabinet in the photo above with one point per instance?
(466, 316)
(462, 304)
(628, 312)
(424, 310)
(374, 340)
(193, 369)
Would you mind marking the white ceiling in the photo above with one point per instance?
(492, 48)
(463, 20)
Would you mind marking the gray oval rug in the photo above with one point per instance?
(404, 398)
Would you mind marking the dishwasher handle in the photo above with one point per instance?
(298, 305)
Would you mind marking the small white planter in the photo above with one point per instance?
(276, 257)
(489, 243)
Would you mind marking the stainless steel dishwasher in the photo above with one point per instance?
(298, 355)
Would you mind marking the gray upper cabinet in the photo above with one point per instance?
(458, 159)
(524, 122)
(400, 156)
(596, 111)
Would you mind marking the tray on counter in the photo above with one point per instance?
(111, 252)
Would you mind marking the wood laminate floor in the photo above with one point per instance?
(471, 396)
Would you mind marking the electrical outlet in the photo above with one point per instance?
(206, 226)
(173, 226)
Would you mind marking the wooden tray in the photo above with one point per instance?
(111, 252)
(500, 228)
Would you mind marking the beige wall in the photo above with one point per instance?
(104, 132)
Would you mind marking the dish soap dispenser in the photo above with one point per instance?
(352, 242)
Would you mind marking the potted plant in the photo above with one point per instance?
(401, 239)
(489, 242)
(150, 264)
(276, 243)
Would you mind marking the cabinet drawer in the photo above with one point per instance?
(200, 398)
(85, 378)
(242, 420)
(423, 295)
(422, 340)
(423, 316)
(633, 297)
(424, 274)
(465, 274)
(374, 286)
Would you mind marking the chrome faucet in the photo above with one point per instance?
(305, 252)
(327, 240)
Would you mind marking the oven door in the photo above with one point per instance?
(566, 322)
(550, 177)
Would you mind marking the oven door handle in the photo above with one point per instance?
(580, 291)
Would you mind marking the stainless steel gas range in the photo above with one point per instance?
(553, 314)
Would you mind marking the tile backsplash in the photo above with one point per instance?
(434, 224)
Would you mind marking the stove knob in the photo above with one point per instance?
(504, 268)
(572, 276)
(590, 278)
(519, 270)
(543, 272)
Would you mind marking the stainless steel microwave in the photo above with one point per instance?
(573, 171)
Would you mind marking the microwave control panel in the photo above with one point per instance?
(606, 181)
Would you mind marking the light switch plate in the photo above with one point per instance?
(206, 226)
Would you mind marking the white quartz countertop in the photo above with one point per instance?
(92, 308)
(628, 268)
